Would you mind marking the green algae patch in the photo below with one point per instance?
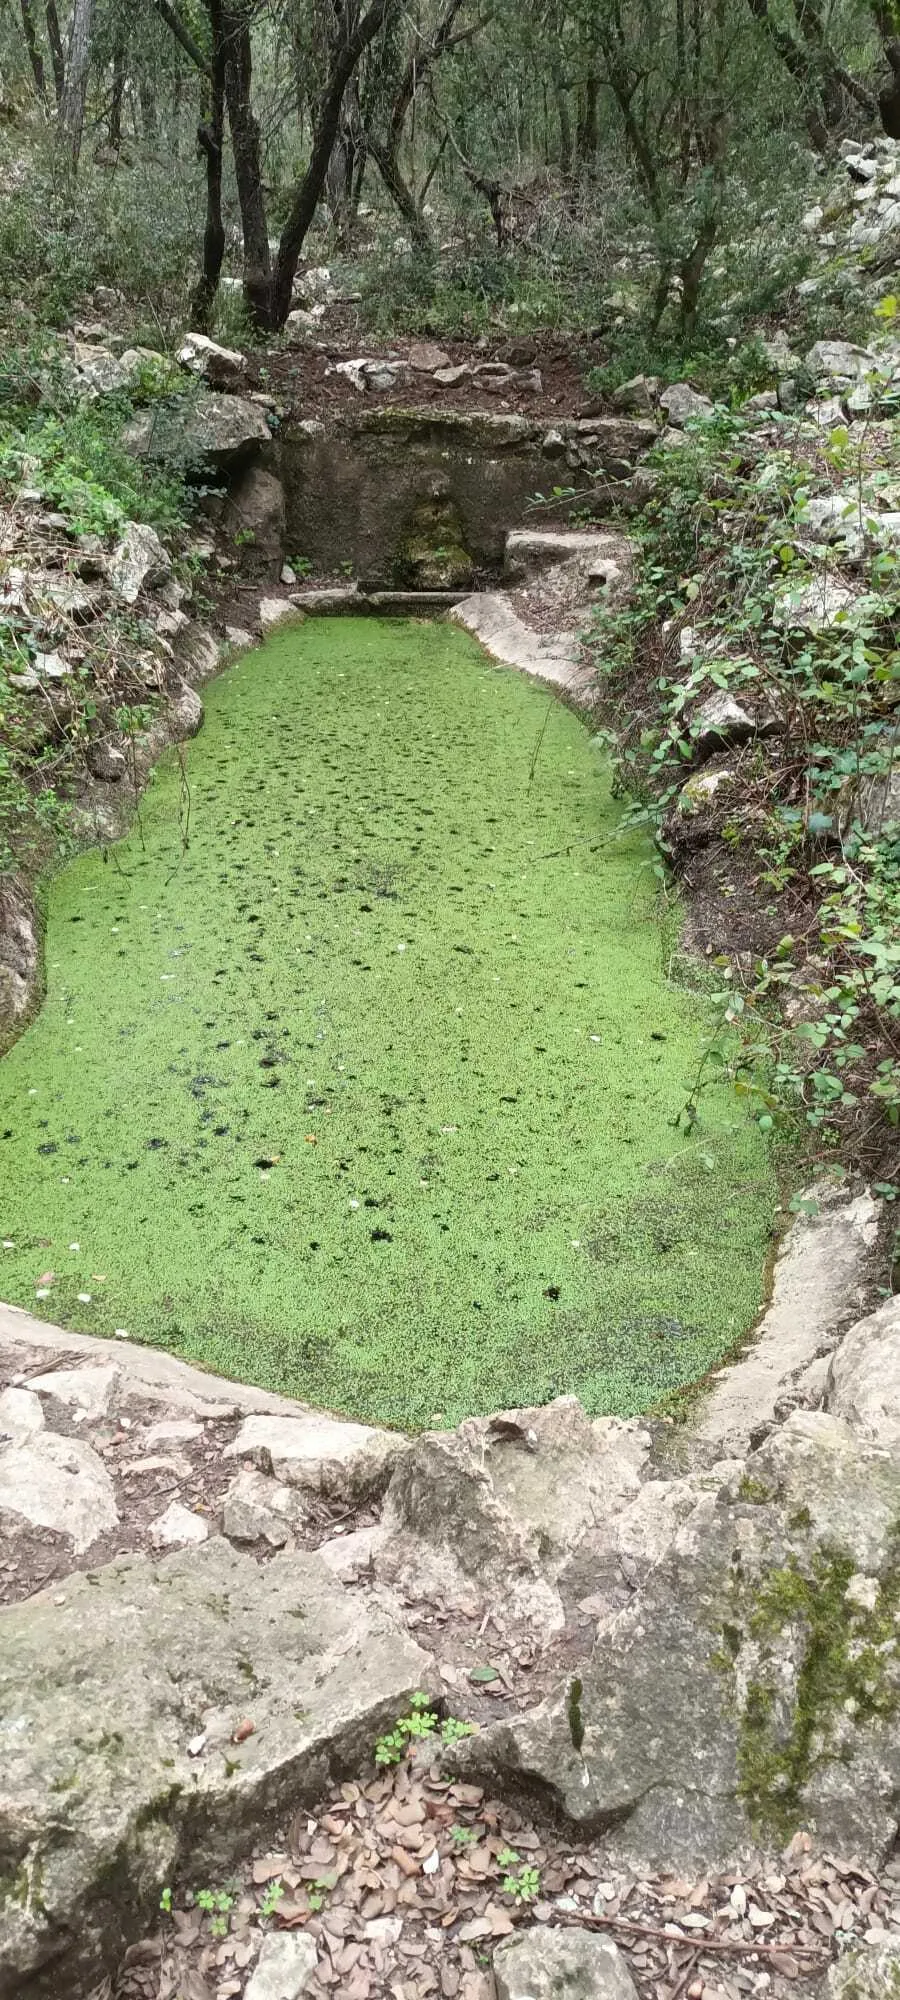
(371, 1093)
(846, 1676)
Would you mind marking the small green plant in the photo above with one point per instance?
(421, 1722)
(216, 1905)
(273, 1895)
(520, 1879)
(317, 1894)
(463, 1836)
(165, 1901)
(453, 1730)
(407, 1731)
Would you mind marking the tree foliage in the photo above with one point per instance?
(566, 116)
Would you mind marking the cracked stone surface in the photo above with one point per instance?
(274, 1677)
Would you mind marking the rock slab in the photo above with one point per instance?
(549, 1964)
(121, 1697)
(285, 1967)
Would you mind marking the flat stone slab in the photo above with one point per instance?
(324, 1454)
(50, 1481)
(546, 1964)
(354, 602)
(528, 551)
(824, 1279)
(87, 1392)
(160, 1711)
(490, 617)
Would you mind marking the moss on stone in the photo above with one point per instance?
(432, 554)
(844, 1654)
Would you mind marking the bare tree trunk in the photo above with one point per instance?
(245, 143)
(34, 54)
(173, 21)
(210, 144)
(564, 122)
(56, 48)
(118, 93)
(307, 196)
(386, 152)
(587, 139)
(401, 193)
(887, 18)
(821, 78)
(74, 96)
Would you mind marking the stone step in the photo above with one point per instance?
(491, 617)
(528, 551)
(355, 602)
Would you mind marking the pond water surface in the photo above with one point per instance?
(371, 1093)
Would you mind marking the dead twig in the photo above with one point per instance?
(733, 1947)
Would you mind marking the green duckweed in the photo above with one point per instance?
(370, 1092)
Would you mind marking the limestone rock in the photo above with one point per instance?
(490, 615)
(836, 517)
(20, 1412)
(863, 1383)
(342, 1461)
(138, 562)
(840, 363)
(613, 444)
(639, 394)
(494, 1514)
(814, 606)
(100, 1698)
(255, 514)
(178, 1527)
(200, 654)
(107, 761)
(87, 1391)
(274, 611)
(58, 1483)
(221, 367)
(238, 639)
(720, 722)
(302, 322)
(285, 1967)
(95, 371)
(682, 404)
(826, 414)
(185, 712)
(174, 1430)
(223, 432)
(19, 953)
(824, 1278)
(529, 551)
(878, 801)
(690, 1730)
(448, 1536)
(546, 1964)
(694, 814)
(257, 1508)
(347, 1555)
(867, 1972)
(425, 357)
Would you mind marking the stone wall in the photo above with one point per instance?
(361, 489)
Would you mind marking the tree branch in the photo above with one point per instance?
(183, 35)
